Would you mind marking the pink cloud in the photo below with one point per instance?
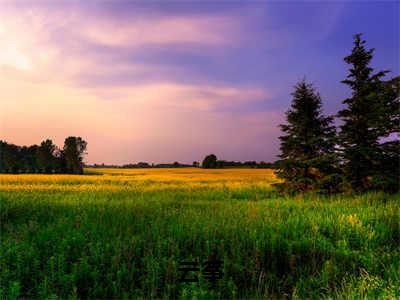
(210, 30)
(136, 125)
(161, 120)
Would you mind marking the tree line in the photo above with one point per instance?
(212, 162)
(43, 158)
(207, 164)
(364, 153)
(141, 165)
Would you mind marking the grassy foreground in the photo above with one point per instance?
(122, 233)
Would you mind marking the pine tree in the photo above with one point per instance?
(362, 118)
(387, 173)
(307, 148)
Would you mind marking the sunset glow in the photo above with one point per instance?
(164, 82)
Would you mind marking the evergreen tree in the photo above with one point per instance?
(307, 148)
(389, 106)
(387, 173)
(364, 118)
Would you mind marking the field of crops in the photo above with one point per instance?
(116, 233)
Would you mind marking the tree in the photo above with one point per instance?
(29, 158)
(9, 155)
(390, 107)
(45, 156)
(60, 163)
(387, 173)
(73, 151)
(210, 162)
(308, 140)
(364, 118)
(195, 164)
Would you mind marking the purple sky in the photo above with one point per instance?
(165, 81)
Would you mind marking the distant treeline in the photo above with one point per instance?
(196, 164)
(246, 164)
(140, 165)
(43, 158)
(211, 162)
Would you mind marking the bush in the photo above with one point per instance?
(385, 183)
(332, 183)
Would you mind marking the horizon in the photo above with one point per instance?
(157, 82)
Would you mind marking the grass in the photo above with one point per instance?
(118, 233)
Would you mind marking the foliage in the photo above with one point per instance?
(46, 158)
(387, 175)
(388, 167)
(73, 151)
(209, 162)
(371, 113)
(307, 148)
(366, 153)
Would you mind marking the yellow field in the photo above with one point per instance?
(143, 179)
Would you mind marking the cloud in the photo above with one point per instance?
(33, 35)
(138, 86)
(84, 44)
(134, 127)
(184, 96)
(79, 47)
(53, 47)
(139, 32)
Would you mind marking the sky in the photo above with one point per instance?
(176, 80)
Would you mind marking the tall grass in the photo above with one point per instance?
(121, 234)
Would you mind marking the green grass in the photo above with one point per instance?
(127, 243)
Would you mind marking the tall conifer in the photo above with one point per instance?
(363, 117)
(309, 137)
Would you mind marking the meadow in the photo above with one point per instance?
(122, 233)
